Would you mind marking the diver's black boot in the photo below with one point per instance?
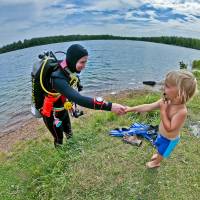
(69, 135)
(68, 131)
(58, 143)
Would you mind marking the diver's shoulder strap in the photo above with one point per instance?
(73, 77)
(63, 64)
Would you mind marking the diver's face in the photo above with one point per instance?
(80, 65)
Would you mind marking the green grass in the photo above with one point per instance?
(93, 165)
(196, 64)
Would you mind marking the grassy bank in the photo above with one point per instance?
(93, 165)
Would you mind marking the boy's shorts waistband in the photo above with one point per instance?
(161, 135)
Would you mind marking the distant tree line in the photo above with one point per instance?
(172, 40)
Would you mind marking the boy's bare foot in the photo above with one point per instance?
(152, 164)
(154, 157)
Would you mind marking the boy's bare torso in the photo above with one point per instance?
(172, 110)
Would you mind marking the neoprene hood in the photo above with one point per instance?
(74, 53)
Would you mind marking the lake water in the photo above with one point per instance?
(113, 65)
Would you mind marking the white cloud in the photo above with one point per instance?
(105, 5)
(186, 7)
(15, 2)
(129, 16)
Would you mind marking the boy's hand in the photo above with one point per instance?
(127, 109)
(163, 105)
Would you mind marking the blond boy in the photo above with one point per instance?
(179, 87)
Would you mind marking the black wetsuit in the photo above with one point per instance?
(60, 83)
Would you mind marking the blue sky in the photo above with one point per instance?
(25, 19)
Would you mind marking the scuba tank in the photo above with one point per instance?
(35, 69)
(46, 65)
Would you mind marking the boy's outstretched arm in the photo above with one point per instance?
(144, 107)
(175, 122)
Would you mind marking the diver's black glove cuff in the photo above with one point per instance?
(80, 88)
(107, 106)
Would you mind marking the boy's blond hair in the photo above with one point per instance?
(184, 81)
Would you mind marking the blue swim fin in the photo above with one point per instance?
(133, 130)
(146, 131)
(139, 125)
(119, 132)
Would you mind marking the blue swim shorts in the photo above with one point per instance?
(165, 146)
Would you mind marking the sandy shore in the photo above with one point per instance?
(25, 132)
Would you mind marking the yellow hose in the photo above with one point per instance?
(41, 83)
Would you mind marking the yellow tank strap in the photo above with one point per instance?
(74, 80)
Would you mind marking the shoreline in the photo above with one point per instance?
(29, 128)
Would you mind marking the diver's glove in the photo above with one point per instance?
(77, 113)
(80, 87)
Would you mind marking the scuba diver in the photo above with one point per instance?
(58, 85)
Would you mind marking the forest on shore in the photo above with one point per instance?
(171, 40)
